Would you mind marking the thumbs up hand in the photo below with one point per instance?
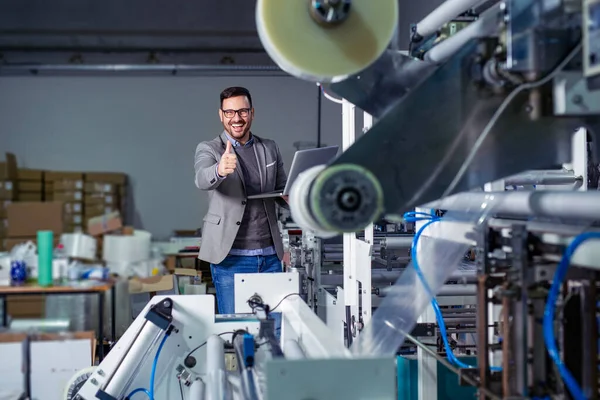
(228, 161)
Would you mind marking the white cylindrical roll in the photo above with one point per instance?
(40, 325)
(485, 26)
(197, 390)
(123, 248)
(584, 206)
(142, 234)
(78, 245)
(447, 11)
(308, 50)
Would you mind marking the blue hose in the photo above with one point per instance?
(549, 337)
(150, 393)
(140, 390)
(431, 218)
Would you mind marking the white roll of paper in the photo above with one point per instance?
(124, 248)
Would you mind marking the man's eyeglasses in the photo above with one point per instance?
(243, 112)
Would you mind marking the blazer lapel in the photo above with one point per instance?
(261, 158)
(238, 173)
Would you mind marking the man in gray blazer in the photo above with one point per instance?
(239, 235)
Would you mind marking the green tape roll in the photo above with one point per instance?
(45, 248)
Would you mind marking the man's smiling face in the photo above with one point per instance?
(237, 114)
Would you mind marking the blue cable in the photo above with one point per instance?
(140, 390)
(549, 337)
(421, 216)
(153, 373)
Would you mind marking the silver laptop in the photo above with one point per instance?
(303, 160)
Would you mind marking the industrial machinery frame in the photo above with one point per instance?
(188, 336)
(466, 117)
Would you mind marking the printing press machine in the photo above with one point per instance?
(495, 126)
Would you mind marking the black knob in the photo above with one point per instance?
(238, 223)
(244, 202)
(190, 362)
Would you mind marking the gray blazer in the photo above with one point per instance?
(227, 197)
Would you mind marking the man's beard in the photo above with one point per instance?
(237, 135)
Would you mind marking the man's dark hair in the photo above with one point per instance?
(235, 91)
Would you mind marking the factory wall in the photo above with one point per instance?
(148, 128)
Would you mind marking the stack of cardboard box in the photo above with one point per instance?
(67, 187)
(25, 219)
(8, 193)
(105, 201)
(105, 193)
(30, 184)
(85, 196)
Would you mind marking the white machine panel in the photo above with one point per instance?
(194, 318)
(348, 379)
(271, 287)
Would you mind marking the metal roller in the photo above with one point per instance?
(583, 206)
(217, 386)
(197, 390)
(399, 242)
(542, 178)
(446, 290)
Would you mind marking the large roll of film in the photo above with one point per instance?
(78, 245)
(312, 49)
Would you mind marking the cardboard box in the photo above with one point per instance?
(8, 190)
(116, 178)
(60, 176)
(8, 168)
(74, 219)
(73, 207)
(99, 188)
(4, 208)
(26, 306)
(92, 199)
(30, 186)
(141, 290)
(49, 374)
(92, 211)
(104, 224)
(67, 186)
(3, 228)
(27, 218)
(74, 228)
(32, 196)
(69, 196)
(26, 174)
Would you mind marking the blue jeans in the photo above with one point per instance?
(222, 276)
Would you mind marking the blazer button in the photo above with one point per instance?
(244, 202)
(238, 223)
